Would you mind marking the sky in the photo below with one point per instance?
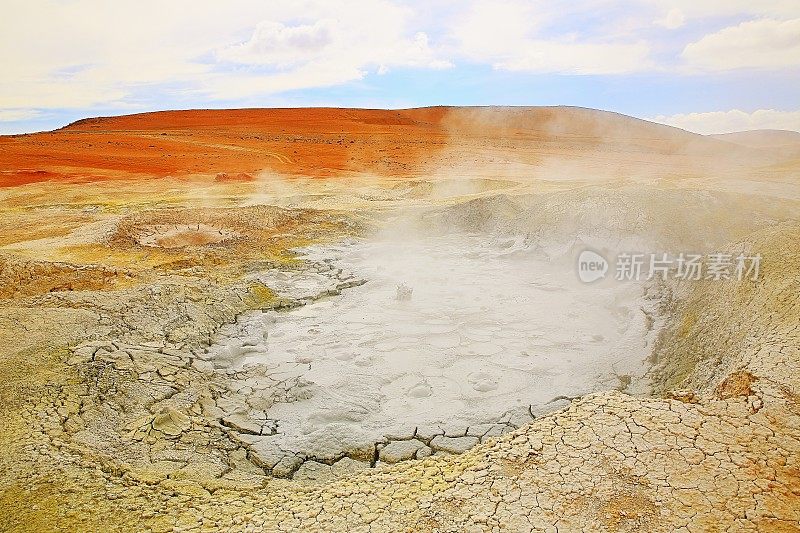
(709, 66)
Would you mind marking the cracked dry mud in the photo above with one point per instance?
(136, 393)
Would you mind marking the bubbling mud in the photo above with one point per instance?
(483, 329)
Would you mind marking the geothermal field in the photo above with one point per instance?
(370, 320)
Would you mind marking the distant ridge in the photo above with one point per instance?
(762, 138)
(558, 142)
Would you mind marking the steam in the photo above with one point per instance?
(472, 306)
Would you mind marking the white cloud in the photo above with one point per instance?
(577, 58)
(16, 115)
(613, 37)
(281, 45)
(80, 54)
(733, 120)
(694, 9)
(765, 43)
(517, 35)
(234, 86)
(328, 52)
(83, 53)
(332, 41)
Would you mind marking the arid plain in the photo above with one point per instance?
(369, 320)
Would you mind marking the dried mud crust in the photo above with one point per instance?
(21, 278)
(143, 432)
(609, 462)
(223, 236)
(719, 328)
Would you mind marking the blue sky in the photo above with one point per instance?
(705, 65)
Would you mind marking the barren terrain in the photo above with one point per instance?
(366, 320)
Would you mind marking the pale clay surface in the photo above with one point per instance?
(481, 338)
(142, 428)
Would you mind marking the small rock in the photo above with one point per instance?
(264, 452)
(518, 417)
(171, 422)
(242, 423)
(346, 466)
(400, 450)
(287, 466)
(497, 430)
(313, 471)
(424, 452)
(426, 433)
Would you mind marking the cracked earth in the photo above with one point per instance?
(192, 356)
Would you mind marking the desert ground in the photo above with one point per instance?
(370, 320)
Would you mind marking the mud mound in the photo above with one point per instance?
(178, 236)
(215, 238)
(482, 214)
(720, 327)
(622, 219)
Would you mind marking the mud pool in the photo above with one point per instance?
(445, 334)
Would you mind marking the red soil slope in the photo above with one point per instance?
(326, 142)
